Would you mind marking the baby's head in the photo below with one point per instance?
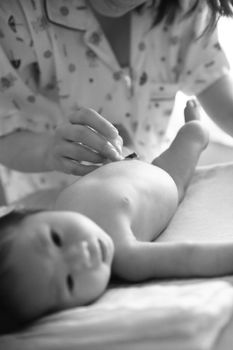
(51, 261)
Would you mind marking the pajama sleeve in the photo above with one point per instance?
(22, 104)
(203, 60)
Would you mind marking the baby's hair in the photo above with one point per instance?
(9, 312)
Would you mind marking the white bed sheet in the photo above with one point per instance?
(185, 314)
(206, 211)
(144, 317)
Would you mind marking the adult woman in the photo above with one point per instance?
(124, 59)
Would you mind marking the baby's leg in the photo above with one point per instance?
(181, 158)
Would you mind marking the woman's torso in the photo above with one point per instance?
(57, 58)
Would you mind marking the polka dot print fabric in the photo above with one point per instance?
(54, 58)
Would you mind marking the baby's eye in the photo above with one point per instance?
(70, 283)
(56, 238)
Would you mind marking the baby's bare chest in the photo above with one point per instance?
(146, 209)
(140, 196)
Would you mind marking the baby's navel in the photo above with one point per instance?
(126, 203)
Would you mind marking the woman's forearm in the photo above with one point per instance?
(217, 101)
(76, 146)
(25, 151)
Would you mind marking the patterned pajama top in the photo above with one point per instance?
(54, 57)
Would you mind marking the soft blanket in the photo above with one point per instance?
(185, 314)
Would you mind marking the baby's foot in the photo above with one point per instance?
(191, 111)
(194, 132)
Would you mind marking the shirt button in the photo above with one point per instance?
(141, 46)
(95, 38)
(117, 75)
(64, 11)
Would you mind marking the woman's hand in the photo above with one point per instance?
(82, 144)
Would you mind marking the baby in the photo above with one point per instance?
(107, 221)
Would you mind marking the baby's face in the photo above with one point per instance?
(115, 8)
(61, 260)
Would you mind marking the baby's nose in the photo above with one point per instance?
(81, 256)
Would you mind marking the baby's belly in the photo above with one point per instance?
(143, 195)
(153, 210)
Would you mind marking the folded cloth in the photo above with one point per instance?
(161, 316)
(205, 214)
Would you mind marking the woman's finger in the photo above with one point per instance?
(88, 137)
(73, 167)
(78, 152)
(89, 117)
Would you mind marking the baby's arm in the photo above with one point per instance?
(140, 261)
